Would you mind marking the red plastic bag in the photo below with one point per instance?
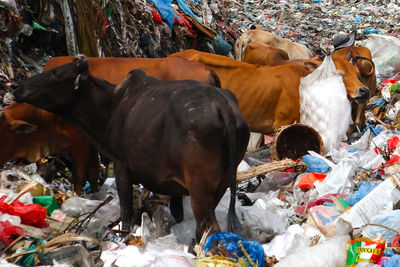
(156, 16)
(392, 144)
(32, 214)
(307, 181)
(8, 232)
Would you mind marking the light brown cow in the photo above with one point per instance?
(261, 54)
(294, 50)
(269, 95)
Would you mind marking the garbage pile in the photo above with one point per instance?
(341, 209)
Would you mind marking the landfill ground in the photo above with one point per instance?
(336, 209)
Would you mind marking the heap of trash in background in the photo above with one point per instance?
(338, 210)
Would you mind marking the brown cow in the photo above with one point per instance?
(264, 55)
(174, 137)
(359, 56)
(114, 69)
(31, 133)
(294, 50)
(269, 95)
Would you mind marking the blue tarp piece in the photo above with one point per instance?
(230, 242)
(165, 9)
(186, 9)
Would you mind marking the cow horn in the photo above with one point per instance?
(76, 83)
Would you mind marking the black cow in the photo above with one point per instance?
(175, 138)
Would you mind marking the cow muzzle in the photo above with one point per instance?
(18, 92)
(362, 95)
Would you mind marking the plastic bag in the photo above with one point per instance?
(231, 242)
(339, 179)
(385, 51)
(315, 164)
(307, 181)
(280, 245)
(380, 199)
(363, 189)
(389, 219)
(324, 104)
(32, 214)
(331, 253)
(261, 221)
(8, 232)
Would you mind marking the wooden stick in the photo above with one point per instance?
(269, 167)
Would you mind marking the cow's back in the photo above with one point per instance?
(115, 69)
(261, 54)
(268, 96)
(294, 50)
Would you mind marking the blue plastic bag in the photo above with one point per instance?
(230, 242)
(393, 261)
(315, 164)
(363, 189)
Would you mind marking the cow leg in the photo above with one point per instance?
(204, 195)
(93, 169)
(125, 193)
(176, 208)
(360, 116)
(203, 210)
(80, 158)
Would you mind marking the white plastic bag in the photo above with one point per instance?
(385, 51)
(324, 104)
(339, 180)
(331, 253)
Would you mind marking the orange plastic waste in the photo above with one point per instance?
(307, 181)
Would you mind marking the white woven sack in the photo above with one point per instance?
(324, 104)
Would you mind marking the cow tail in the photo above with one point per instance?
(234, 225)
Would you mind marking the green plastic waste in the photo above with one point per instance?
(49, 202)
(395, 88)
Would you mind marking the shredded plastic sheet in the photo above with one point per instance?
(380, 199)
(324, 104)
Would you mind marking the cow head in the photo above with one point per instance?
(14, 132)
(56, 88)
(353, 69)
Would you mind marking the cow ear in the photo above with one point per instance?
(81, 63)
(310, 66)
(22, 127)
(366, 67)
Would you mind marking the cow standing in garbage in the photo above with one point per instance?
(175, 138)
